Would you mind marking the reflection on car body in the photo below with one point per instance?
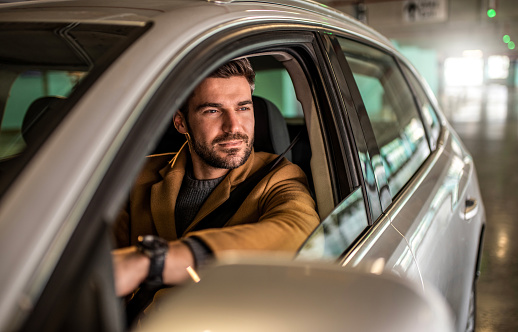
(395, 188)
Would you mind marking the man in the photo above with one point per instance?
(170, 197)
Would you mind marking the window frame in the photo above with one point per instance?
(361, 128)
(366, 128)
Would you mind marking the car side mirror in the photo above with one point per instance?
(285, 295)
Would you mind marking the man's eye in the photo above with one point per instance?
(210, 111)
(244, 108)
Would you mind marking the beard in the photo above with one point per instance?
(232, 158)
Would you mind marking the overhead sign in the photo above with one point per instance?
(425, 10)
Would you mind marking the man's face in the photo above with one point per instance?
(220, 122)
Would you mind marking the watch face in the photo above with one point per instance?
(152, 245)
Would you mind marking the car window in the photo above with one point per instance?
(427, 110)
(42, 67)
(395, 121)
(28, 88)
(338, 231)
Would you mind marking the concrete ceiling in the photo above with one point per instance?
(447, 26)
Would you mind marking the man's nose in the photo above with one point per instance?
(231, 122)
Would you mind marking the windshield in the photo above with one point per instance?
(44, 67)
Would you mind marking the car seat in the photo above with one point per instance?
(271, 130)
(41, 117)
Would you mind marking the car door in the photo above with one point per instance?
(430, 188)
(459, 217)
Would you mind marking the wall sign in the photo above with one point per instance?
(425, 10)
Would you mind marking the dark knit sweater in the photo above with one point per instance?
(193, 193)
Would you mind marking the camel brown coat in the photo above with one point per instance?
(278, 214)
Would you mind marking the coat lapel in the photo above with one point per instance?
(164, 194)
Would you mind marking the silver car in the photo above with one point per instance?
(88, 88)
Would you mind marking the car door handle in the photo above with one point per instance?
(471, 209)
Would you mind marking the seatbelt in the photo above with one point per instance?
(219, 217)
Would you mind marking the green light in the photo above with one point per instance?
(506, 39)
(491, 13)
(511, 45)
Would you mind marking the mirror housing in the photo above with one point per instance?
(285, 295)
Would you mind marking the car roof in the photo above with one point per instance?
(207, 13)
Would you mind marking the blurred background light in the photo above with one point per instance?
(472, 54)
(464, 71)
(498, 67)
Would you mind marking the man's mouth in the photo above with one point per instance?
(231, 141)
(230, 144)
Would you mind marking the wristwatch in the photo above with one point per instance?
(156, 249)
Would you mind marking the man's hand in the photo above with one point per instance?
(130, 268)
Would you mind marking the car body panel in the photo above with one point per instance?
(384, 249)
(432, 220)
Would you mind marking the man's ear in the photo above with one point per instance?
(179, 123)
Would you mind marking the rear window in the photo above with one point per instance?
(43, 70)
(390, 105)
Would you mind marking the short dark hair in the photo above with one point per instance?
(238, 67)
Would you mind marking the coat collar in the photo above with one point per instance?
(165, 192)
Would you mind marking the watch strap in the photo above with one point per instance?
(155, 248)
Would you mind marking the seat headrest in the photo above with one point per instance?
(39, 117)
(271, 130)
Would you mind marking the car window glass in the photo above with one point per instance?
(28, 87)
(338, 231)
(397, 127)
(429, 114)
(43, 65)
